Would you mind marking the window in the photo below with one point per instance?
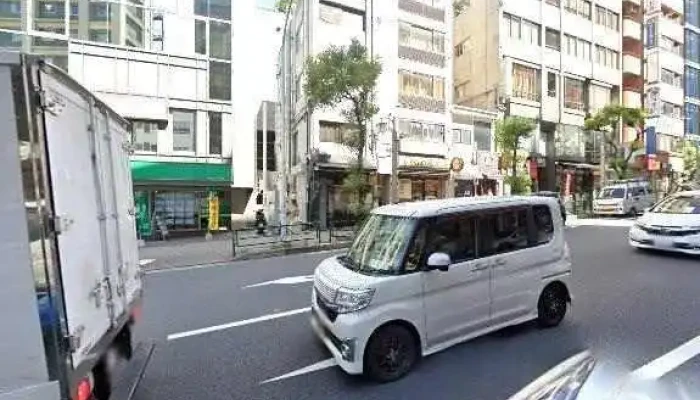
(552, 39)
(157, 33)
(215, 132)
(607, 18)
(526, 82)
(99, 11)
(454, 235)
(692, 46)
(483, 137)
(554, 3)
(607, 57)
(200, 37)
(692, 12)
(421, 131)
(671, 110)
(544, 226)
(220, 40)
(580, 7)
(513, 26)
(692, 82)
(184, 130)
(421, 85)
(271, 159)
(671, 45)
(144, 136)
(50, 9)
(578, 48)
(521, 29)
(692, 119)
(461, 136)
(421, 38)
(335, 132)
(10, 9)
(503, 231)
(220, 9)
(100, 35)
(459, 50)
(650, 34)
(671, 78)
(551, 84)
(219, 80)
(573, 97)
(599, 97)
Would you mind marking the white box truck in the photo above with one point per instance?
(70, 281)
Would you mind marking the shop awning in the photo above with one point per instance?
(181, 172)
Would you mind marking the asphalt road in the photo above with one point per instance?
(630, 309)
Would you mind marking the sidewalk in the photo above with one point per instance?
(199, 251)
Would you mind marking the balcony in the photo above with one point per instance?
(671, 29)
(635, 2)
(424, 10)
(422, 56)
(633, 47)
(631, 65)
(422, 103)
(631, 99)
(631, 29)
(632, 83)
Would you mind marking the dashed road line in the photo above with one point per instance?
(291, 280)
(321, 365)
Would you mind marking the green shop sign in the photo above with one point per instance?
(143, 216)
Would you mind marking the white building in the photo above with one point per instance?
(412, 39)
(552, 61)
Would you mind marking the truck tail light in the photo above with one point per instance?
(84, 391)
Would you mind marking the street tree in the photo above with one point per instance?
(510, 134)
(283, 5)
(459, 6)
(690, 177)
(344, 77)
(607, 121)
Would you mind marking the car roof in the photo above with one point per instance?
(429, 208)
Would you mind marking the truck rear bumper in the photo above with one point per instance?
(130, 377)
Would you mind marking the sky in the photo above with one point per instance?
(266, 3)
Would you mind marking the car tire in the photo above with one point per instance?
(391, 353)
(633, 212)
(551, 307)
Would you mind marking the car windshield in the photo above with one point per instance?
(612, 193)
(681, 204)
(380, 244)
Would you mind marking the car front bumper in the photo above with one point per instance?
(679, 244)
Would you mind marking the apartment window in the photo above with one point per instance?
(184, 130)
(421, 131)
(220, 9)
(421, 85)
(219, 80)
(421, 38)
(671, 78)
(607, 18)
(606, 57)
(459, 50)
(692, 12)
(573, 95)
(580, 7)
(599, 97)
(100, 35)
(692, 119)
(462, 136)
(220, 40)
(650, 34)
(10, 9)
(552, 39)
(483, 136)
(551, 84)
(50, 9)
(334, 132)
(215, 132)
(578, 48)
(671, 45)
(692, 82)
(144, 136)
(271, 158)
(526, 82)
(692, 46)
(200, 37)
(99, 11)
(157, 33)
(522, 29)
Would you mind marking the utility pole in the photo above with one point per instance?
(395, 150)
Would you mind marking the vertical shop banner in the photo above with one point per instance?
(213, 212)
(143, 216)
(650, 139)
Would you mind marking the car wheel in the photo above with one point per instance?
(391, 353)
(551, 308)
(633, 212)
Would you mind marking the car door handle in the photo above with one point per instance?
(480, 266)
(500, 262)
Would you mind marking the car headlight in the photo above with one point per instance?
(350, 300)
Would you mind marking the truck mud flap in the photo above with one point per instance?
(129, 379)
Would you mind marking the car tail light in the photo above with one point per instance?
(84, 391)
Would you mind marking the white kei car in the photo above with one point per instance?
(671, 225)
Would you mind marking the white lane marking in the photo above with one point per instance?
(146, 261)
(292, 280)
(668, 362)
(621, 223)
(236, 324)
(325, 364)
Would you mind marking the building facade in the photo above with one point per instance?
(555, 62)
(412, 39)
(167, 66)
(692, 69)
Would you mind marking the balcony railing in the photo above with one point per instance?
(422, 56)
(422, 103)
(424, 10)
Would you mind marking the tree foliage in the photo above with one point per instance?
(690, 177)
(510, 134)
(283, 5)
(344, 77)
(459, 6)
(607, 121)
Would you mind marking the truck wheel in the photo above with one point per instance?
(102, 385)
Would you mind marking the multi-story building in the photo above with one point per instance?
(692, 69)
(553, 61)
(664, 71)
(412, 40)
(167, 66)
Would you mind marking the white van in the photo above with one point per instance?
(624, 198)
(423, 276)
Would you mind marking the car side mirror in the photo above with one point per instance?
(439, 261)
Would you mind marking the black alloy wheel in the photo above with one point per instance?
(551, 307)
(391, 353)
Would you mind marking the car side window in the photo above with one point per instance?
(416, 251)
(455, 236)
(544, 226)
(503, 231)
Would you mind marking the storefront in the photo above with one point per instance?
(180, 199)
